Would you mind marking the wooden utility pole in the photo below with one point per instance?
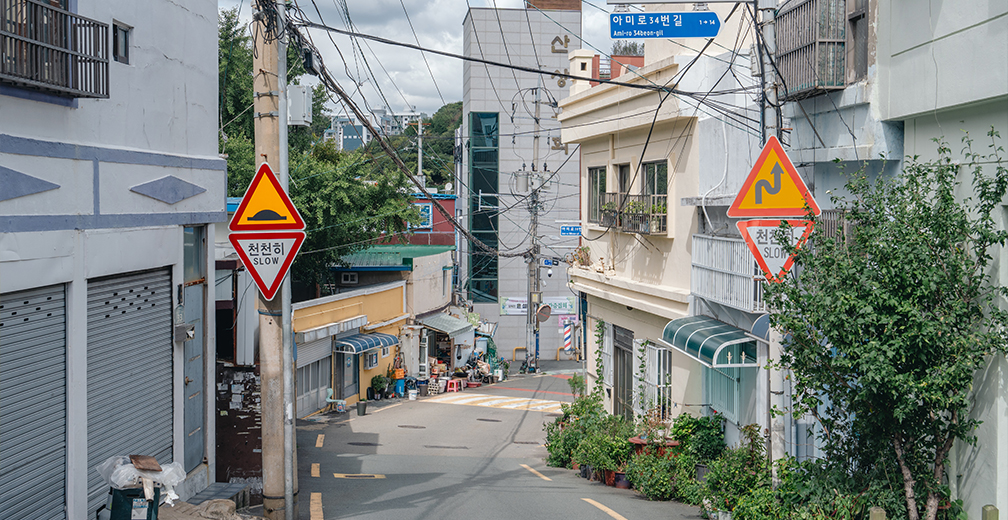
(275, 349)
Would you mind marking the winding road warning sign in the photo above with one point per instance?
(773, 188)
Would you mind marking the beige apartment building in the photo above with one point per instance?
(643, 235)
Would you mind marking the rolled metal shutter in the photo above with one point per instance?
(129, 371)
(33, 404)
(313, 351)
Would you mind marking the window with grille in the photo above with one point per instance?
(596, 192)
(121, 35)
(656, 178)
(857, 55)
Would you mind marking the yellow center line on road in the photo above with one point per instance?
(536, 473)
(376, 410)
(319, 440)
(315, 470)
(605, 509)
(316, 506)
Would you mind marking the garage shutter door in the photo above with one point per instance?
(313, 351)
(33, 404)
(129, 371)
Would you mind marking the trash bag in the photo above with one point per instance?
(118, 472)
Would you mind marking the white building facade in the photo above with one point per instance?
(110, 181)
(498, 126)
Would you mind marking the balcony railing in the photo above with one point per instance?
(641, 214)
(725, 272)
(810, 46)
(53, 50)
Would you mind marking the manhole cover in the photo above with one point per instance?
(526, 442)
(359, 476)
(488, 420)
(412, 426)
(364, 444)
(447, 447)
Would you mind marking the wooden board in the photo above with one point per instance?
(145, 463)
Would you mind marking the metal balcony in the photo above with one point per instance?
(725, 272)
(50, 49)
(641, 214)
(810, 46)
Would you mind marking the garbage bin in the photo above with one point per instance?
(422, 388)
(400, 387)
(130, 503)
(361, 407)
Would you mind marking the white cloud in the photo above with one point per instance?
(405, 80)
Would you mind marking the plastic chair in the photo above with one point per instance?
(453, 386)
(340, 404)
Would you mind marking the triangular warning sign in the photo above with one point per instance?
(772, 257)
(265, 206)
(268, 256)
(773, 188)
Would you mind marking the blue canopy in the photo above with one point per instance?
(358, 343)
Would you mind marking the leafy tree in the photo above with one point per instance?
(627, 48)
(348, 200)
(888, 323)
(346, 204)
(234, 56)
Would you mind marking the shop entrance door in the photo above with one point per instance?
(346, 374)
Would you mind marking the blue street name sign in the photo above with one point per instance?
(686, 24)
(570, 231)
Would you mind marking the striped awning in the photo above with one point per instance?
(708, 340)
(358, 343)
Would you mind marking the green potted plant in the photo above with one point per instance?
(379, 383)
(609, 214)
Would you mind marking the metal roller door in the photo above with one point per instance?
(33, 404)
(129, 371)
(313, 351)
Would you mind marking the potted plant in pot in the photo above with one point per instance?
(379, 383)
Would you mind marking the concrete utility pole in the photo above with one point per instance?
(275, 349)
(419, 152)
(771, 126)
(535, 285)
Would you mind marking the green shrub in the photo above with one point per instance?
(760, 504)
(652, 475)
(577, 385)
(687, 489)
(565, 434)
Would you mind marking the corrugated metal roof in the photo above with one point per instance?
(450, 325)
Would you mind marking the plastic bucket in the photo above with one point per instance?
(412, 395)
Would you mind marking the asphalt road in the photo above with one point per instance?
(476, 454)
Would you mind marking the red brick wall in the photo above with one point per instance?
(554, 5)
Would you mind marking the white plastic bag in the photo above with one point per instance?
(119, 473)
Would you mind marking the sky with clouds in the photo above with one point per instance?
(402, 75)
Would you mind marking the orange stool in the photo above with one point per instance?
(453, 386)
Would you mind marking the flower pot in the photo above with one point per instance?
(361, 407)
(621, 480)
(584, 472)
(610, 477)
(701, 472)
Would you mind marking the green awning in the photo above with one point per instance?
(710, 342)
